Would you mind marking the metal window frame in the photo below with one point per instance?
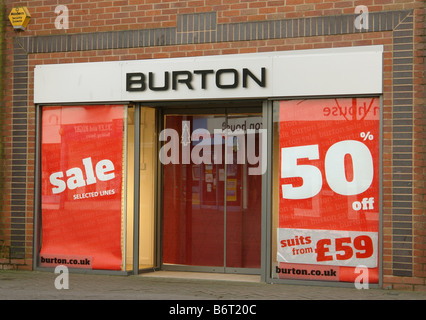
(269, 113)
(37, 195)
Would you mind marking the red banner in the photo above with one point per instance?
(81, 152)
(329, 189)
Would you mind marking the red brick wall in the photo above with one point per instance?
(404, 262)
(97, 16)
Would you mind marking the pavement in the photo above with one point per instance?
(171, 286)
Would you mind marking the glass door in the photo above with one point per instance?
(211, 204)
(193, 192)
(243, 192)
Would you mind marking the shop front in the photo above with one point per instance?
(263, 163)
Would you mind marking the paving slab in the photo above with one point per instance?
(40, 285)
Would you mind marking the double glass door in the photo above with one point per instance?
(212, 187)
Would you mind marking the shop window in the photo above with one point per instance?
(83, 215)
(326, 189)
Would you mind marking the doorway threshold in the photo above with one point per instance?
(202, 276)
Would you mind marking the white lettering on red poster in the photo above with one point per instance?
(329, 184)
(81, 186)
(78, 177)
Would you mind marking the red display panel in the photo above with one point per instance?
(81, 170)
(329, 189)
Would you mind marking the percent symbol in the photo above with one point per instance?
(367, 136)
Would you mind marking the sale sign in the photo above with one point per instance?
(329, 185)
(82, 161)
(331, 247)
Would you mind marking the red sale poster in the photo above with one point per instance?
(81, 155)
(329, 189)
